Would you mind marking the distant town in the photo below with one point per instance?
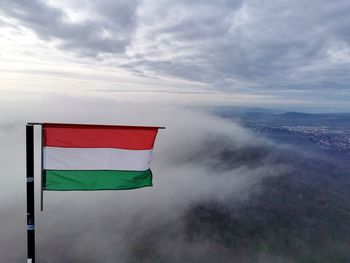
(327, 138)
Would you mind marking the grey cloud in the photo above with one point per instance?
(86, 37)
(263, 42)
(242, 45)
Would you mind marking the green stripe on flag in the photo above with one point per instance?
(80, 180)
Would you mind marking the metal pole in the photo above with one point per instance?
(30, 193)
(42, 171)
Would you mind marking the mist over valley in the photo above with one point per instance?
(222, 190)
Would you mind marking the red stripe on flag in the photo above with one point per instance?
(99, 136)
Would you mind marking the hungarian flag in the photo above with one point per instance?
(97, 157)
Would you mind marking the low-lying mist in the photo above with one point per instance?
(220, 194)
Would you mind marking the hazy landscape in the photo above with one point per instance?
(254, 163)
(297, 214)
(237, 185)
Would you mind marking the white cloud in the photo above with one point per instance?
(189, 166)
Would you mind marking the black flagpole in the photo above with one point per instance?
(42, 170)
(30, 193)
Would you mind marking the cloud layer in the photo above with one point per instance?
(250, 46)
(189, 167)
(219, 192)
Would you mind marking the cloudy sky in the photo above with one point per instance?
(289, 54)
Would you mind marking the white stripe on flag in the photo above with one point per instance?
(59, 158)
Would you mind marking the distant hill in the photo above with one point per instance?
(284, 118)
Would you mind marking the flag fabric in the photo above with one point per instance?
(97, 157)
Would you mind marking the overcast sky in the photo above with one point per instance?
(292, 54)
